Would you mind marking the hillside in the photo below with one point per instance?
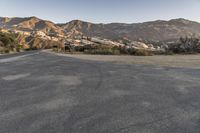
(30, 24)
(151, 31)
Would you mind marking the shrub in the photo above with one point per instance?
(6, 51)
(9, 42)
(185, 46)
(102, 51)
(124, 50)
(79, 48)
(142, 52)
(115, 48)
(56, 50)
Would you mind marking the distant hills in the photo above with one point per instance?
(151, 31)
(30, 24)
(148, 31)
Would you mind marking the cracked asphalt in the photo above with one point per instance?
(45, 93)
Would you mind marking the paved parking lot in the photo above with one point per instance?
(45, 93)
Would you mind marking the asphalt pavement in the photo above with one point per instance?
(45, 93)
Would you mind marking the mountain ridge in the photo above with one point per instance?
(159, 30)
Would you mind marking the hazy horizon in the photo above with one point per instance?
(96, 22)
(96, 11)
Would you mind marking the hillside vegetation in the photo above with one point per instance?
(148, 38)
(9, 43)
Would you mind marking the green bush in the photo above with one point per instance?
(79, 48)
(123, 50)
(4, 50)
(55, 50)
(9, 42)
(102, 51)
(187, 45)
(142, 52)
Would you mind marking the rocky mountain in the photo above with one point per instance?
(30, 24)
(149, 31)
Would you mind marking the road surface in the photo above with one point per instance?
(45, 93)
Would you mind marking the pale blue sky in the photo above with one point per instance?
(102, 11)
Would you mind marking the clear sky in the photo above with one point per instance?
(102, 11)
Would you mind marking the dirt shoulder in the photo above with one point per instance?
(185, 61)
